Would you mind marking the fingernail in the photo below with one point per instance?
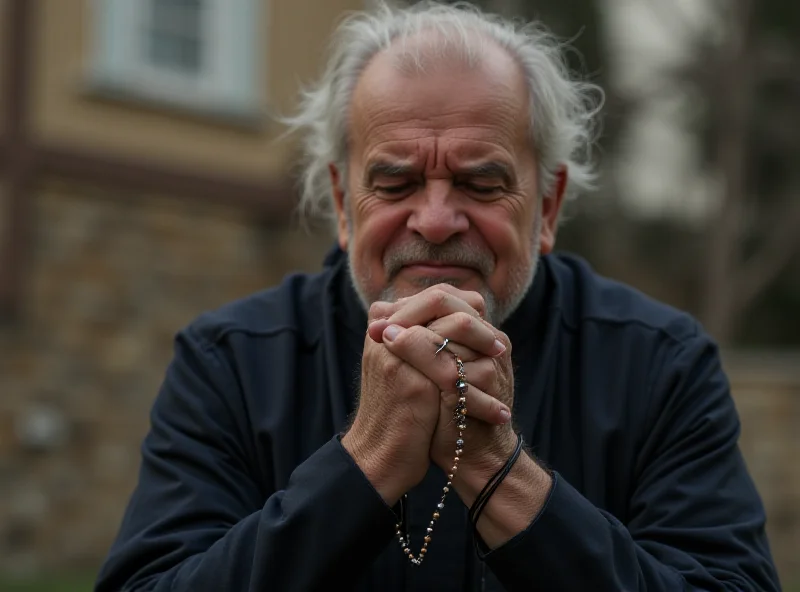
(505, 414)
(391, 332)
(499, 348)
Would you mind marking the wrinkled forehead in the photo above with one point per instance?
(421, 88)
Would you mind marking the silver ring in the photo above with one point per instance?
(441, 347)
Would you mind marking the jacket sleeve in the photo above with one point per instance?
(695, 520)
(198, 519)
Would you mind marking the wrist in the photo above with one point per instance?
(518, 499)
(374, 462)
(477, 470)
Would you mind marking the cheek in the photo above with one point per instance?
(375, 225)
(508, 233)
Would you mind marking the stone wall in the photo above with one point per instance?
(3, 203)
(111, 280)
(766, 387)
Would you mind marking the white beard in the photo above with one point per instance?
(497, 310)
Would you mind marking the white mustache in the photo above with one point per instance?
(449, 253)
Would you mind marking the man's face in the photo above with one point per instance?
(442, 183)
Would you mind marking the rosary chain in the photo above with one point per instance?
(460, 419)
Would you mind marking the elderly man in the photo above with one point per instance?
(447, 405)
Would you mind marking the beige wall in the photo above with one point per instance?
(294, 42)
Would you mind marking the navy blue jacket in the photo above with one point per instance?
(244, 484)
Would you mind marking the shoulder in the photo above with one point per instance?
(293, 306)
(590, 300)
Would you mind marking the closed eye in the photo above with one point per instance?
(482, 190)
(395, 190)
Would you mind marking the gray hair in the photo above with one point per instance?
(563, 110)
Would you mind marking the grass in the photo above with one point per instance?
(65, 583)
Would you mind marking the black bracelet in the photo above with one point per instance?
(493, 484)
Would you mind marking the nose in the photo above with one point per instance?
(437, 214)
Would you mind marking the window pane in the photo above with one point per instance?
(174, 35)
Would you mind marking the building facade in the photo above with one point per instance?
(141, 183)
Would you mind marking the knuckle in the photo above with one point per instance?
(438, 297)
(408, 336)
(377, 360)
(391, 367)
(483, 375)
(375, 310)
(463, 321)
(479, 300)
(449, 398)
(418, 386)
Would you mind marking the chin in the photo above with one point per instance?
(496, 311)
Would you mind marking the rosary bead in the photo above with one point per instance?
(459, 416)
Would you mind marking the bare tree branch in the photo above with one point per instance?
(761, 269)
(734, 99)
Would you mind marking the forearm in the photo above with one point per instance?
(529, 527)
(326, 527)
(317, 533)
(573, 546)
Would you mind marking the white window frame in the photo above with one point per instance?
(230, 83)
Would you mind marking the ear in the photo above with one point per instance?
(338, 201)
(551, 210)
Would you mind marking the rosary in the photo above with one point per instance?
(459, 417)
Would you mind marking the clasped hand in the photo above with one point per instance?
(405, 412)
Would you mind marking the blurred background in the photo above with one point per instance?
(141, 183)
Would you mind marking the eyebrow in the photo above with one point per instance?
(492, 169)
(387, 169)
